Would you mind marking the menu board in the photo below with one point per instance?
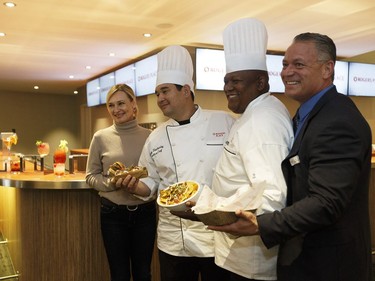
(126, 75)
(274, 67)
(341, 77)
(145, 76)
(361, 79)
(93, 93)
(209, 69)
(105, 83)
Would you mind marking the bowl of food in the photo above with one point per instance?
(176, 195)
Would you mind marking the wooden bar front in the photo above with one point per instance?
(53, 228)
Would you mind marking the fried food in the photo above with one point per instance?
(178, 193)
(118, 170)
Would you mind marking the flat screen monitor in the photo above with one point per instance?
(274, 67)
(210, 69)
(361, 79)
(93, 92)
(341, 77)
(126, 75)
(106, 82)
(145, 76)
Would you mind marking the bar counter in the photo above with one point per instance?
(42, 180)
(52, 225)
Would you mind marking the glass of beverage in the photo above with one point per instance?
(43, 148)
(9, 139)
(59, 169)
(59, 156)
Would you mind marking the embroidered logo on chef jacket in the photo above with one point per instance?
(216, 138)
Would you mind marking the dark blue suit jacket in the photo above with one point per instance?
(324, 232)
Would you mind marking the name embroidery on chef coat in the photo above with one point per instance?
(156, 151)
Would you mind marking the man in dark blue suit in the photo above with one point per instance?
(324, 231)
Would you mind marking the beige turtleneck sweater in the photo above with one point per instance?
(122, 143)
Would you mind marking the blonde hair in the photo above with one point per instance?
(127, 90)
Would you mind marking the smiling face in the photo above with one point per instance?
(242, 87)
(303, 74)
(175, 102)
(121, 108)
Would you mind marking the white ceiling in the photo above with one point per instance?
(48, 40)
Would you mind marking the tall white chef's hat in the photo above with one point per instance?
(245, 45)
(175, 66)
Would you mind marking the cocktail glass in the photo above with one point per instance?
(9, 139)
(59, 169)
(43, 149)
(59, 156)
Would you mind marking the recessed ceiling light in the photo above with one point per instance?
(71, 76)
(36, 87)
(111, 54)
(147, 35)
(2, 34)
(10, 4)
(88, 67)
(75, 92)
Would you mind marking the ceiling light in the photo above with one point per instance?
(71, 76)
(88, 67)
(75, 92)
(36, 87)
(147, 35)
(111, 54)
(10, 4)
(2, 34)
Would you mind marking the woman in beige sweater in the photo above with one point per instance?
(128, 224)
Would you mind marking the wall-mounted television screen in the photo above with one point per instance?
(361, 79)
(145, 76)
(93, 92)
(274, 67)
(105, 83)
(209, 69)
(126, 75)
(341, 77)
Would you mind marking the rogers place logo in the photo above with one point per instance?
(363, 79)
(213, 69)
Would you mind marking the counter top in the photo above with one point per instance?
(43, 180)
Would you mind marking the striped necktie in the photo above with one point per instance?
(296, 122)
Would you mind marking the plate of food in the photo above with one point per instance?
(176, 195)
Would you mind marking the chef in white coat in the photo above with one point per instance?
(258, 141)
(186, 147)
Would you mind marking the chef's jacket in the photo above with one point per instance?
(258, 141)
(174, 153)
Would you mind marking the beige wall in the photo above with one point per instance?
(47, 117)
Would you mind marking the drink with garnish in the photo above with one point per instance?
(59, 158)
(43, 148)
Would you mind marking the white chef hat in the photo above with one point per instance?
(175, 66)
(245, 45)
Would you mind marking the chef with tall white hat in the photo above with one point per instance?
(259, 140)
(185, 147)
